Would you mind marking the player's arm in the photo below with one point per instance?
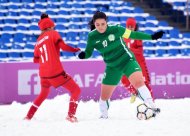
(140, 35)
(66, 47)
(36, 58)
(88, 51)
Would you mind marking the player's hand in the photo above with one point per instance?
(81, 55)
(157, 35)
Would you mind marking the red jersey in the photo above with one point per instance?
(47, 53)
(137, 48)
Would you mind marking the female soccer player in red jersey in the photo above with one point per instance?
(47, 54)
(136, 47)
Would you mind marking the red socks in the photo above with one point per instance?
(31, 112)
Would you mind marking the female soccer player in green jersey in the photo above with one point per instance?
(108, 40)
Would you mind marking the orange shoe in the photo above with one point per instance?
(72, 119)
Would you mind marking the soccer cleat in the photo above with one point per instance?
(133, 98)
(156, 111)
(72, 119)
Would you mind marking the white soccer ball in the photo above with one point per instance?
(144, 112)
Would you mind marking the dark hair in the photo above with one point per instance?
(44, 15)
(136, 27)
(97, 15)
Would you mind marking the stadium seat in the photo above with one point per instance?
(162, 44)
(9, 21)
(24, 13)
(27, 54)
(149, 53)
(14, 54)
(3, 55)
(185, 52)
(173, 52)
(160, 52)
(149, 24)
(174, 43)
(29, 46)
(148, 44)
(138, 10)
(162, 23)
(22, 21)
(8, 28)
(23, 28)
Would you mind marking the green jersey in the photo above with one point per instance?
(111, 46)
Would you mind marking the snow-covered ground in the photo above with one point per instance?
(173, 120)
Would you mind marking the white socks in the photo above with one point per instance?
(104, 106)
(145, 95)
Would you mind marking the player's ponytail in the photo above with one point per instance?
(97, 15)
(91, 25)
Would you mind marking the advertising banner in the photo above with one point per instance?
(170, 78)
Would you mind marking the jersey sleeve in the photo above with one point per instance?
(89, 48)
(36, 58)
(56, 37)
(125, 33)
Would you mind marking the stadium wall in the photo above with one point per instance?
(170, 78)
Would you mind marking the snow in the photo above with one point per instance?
(50, 119)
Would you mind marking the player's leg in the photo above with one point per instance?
(110, 81)
(40, 98)
(129, 87)
(135, 76)
(74, 90)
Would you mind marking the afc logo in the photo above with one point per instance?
(28, 82)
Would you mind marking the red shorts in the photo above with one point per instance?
(55, 81)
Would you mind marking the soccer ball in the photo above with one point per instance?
(144, 112)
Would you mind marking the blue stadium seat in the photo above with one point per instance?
(4, 1)
(149, 31)
(148, 53)
(71, 36)
(3, 55)
(27, 54)
(95, 54)
(83, 36)
(23, 28)
(14, 54)
(52, 6)
(174, 43)
(11, 13)
(138, 10)
(23, 21)
(186, 35)
(162, 44)
(113, 18)
(6, 35)
(160, 52)
(148, 44)
(36, 13)
(185, 52)
(33, 27)
(149, 24)
(67, 54)
(60, 27)
(50, 12)
(162, 23)
(174, 33)
(81, 45)
(8, 28)
(13, 7)
(39, 6)
(9, 21)
(126, 11)
(152, 18)
(24, 13)
(89, 6)
(139, 18)
(173, 52)
(73, 26)
(16, 47)
(63, 12)
(29, 46)
(27, 1)
(61, 20)
(19, 35)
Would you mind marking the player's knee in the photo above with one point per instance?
(138, 83)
